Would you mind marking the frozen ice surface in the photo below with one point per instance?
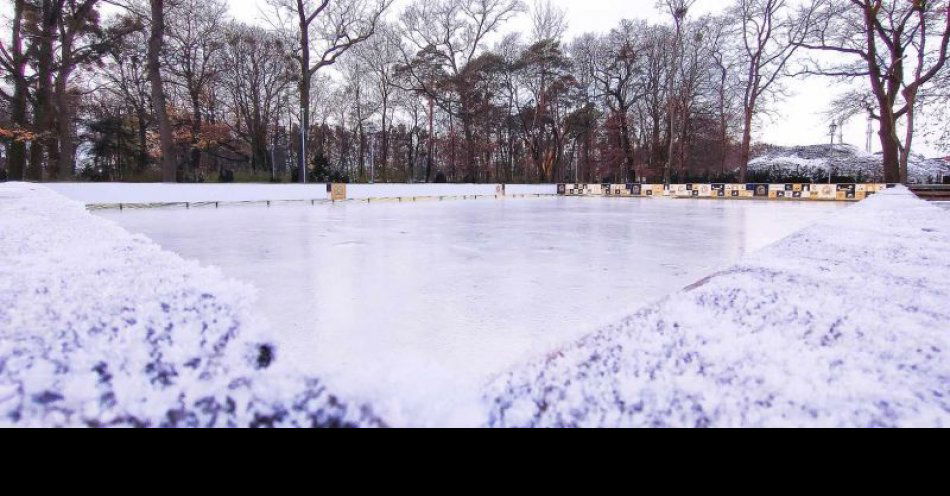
(844, 324)
(415, 308)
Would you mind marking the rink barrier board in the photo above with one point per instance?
(723, 191)
(315, 201)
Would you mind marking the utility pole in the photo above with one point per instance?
(430, 147)
(372, 160)
(832, 128)
(303, 146)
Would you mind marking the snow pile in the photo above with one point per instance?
(779, 164)
(102, 328)
(845, 324)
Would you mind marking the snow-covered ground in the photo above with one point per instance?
(414, 308)
(102, 328)
(116, 193)
(447, 313)
(845, 324)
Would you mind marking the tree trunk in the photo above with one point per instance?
(470, 160)
(196, 122)
(65, 165)
(67, 147)
(143, 139)
(16, 159)
(745, 152)
(156, 42)
(361, 134)
(890, 146)
(65, 130)
(674, 66)
(305, 82)
(384, 159)
(628, 159)
(43, 108)
(668, 166)
(911, 98)
(431, 138)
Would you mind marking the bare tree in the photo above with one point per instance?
(548, 21)
(82, 42)
(194, 44)
(612, 62)
(44, 27)
(156, 45)
(898, 46)
(325, 30)
(544, 71)
(449, 35)
(14, 60)
(359, 107)
(770, 36)
(678, 9)
(380, 55)
(725, 83)
(935, 103)
(654, 81)
(257, 76)
(126, 76)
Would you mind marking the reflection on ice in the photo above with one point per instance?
(414, 306)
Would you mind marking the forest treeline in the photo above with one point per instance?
(443, 90)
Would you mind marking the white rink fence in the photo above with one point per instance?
(132, 195)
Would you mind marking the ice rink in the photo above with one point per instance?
(414, 307)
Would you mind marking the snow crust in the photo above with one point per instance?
(102, 328)
(845, 324)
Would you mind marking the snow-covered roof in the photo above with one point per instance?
(844, 160)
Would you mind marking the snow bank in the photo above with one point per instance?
(846, 324)
(102, 328)
(144, 194)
